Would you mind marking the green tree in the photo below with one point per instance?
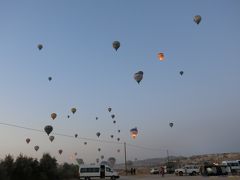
(48, 168)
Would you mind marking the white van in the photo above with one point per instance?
(97, 171)
(234, 166)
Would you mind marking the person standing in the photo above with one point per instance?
(162, 171)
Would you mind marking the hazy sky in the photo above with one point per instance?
(90, 75)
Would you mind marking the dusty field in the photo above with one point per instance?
(173, 177)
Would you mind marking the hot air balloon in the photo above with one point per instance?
(76, 135)
(28, 140)
(99, 149)
(113, 116)
(40, 46)
(161, 56)
(97, 160)
(96, 118)
(197, 19)
(51, 138)
(114, 121)
(138, 76)
(118, 139)
(80, 161)
(134, 132)
(73, 110)
(60, 151)
(98, 134)
(119, 131)
(109, 109)
(53, 115)
(111, 161)
(111, 136)
(171, 124)
(68, 116)
(181, 73)
(49, 78)
(85, 143)
(102, 156)
(48, 129)
(118, 150)
(36, 148)
(116, 45)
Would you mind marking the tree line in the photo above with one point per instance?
(28, 168)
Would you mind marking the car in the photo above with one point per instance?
(191, 170)
(154, 171)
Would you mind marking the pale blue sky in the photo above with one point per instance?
(88, 74)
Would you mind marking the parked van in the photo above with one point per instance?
(234, 166)
(97, 171)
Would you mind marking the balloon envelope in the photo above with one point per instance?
(98, 134)
(181, 73)
(51, 138)
(40, 46)
(197, 19)
(109, 109)
(134, 132)
(138, 76)
(53, 115)
(36, 148)
(73, 110)
(60, 151)
(116, 45)
(28, 140)
(161, 56)
(48, 129)
(171, 124)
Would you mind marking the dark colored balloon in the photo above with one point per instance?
(36, 148)
(28, 140)
(51, 138)
(48, 129)
(98, 134)
(40, 46)
(138, 76)
(60, 151)
(181, 73)
(116, 45)
(73, 110)
(197, 19)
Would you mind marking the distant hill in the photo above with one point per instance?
(181, 160)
